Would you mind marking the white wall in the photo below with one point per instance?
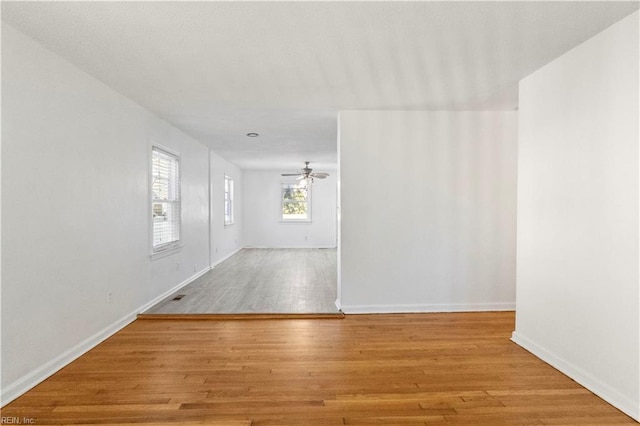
(262, 214)
(578, 234)
(75, 198)
(428, 209)
(226, 240)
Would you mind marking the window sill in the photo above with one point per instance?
(298, 222)
(226, 225)
(166, 252)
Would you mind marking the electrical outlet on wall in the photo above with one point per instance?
(109, 298)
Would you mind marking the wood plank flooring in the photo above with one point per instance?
(263, 281)
(419, 369)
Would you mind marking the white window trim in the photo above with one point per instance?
(231, 200)
(306, 221)
(166, 251)
(173, 247)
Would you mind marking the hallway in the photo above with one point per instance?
(255, 281)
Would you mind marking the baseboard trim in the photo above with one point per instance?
(291, 247)
(219, 261)
(172, 290)
(403, 309)
(40, 374)
(604, 391)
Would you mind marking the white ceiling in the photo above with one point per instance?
(219, 70)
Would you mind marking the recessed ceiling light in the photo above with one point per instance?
(252, 135)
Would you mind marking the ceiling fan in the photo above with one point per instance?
(307, 174)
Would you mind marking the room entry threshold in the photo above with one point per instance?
(249, 316)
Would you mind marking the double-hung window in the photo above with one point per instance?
(296, 202)
(228, 200)
(165, 203)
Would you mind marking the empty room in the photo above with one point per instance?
(293, 213)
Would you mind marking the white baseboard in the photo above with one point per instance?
(604, 391)
(29, 380)
(291, 247)
(402, 309)
(172, 290)
(219, 261)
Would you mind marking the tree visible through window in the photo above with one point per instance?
(296, 205)
(165, 203)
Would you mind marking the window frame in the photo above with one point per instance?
(163, 249)
(229, 196)
(308, 202)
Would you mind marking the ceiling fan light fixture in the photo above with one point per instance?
(306, 176)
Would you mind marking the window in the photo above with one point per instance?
(165, 203)
(228, 200)
(296, 202)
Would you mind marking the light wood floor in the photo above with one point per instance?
(297, 281)
(420, 369)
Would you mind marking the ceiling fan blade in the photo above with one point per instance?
(320, 175)
(290, 174)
